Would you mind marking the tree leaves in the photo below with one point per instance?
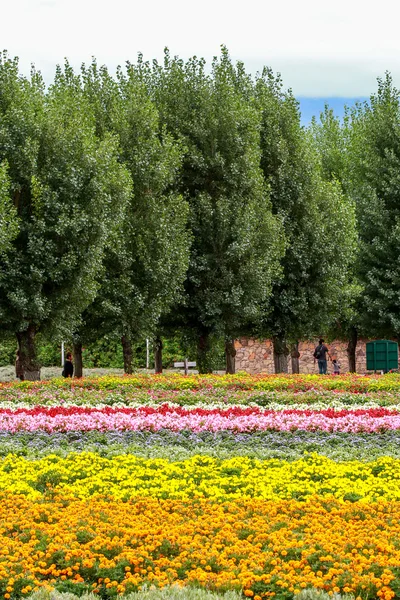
(68, 187)
(236, 240)
(8, 214)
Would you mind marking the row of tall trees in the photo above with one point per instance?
(362, 154)
(172, 196)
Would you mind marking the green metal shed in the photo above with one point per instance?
(382, 355)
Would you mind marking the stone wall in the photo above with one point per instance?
(257, 356)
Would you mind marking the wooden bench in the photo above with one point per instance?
(186, 364)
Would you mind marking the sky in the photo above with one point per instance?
(326, 52)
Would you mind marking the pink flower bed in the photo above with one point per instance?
(177, 418)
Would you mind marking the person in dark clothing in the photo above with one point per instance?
(320, 353)
(68, 370)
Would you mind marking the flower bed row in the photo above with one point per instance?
(181, 445)
(17, 396)
(268, 400)
(197, 420)
(198, 411)
(243, 381)
(265, 548)
(128, 476)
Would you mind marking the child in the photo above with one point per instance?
(336, 367)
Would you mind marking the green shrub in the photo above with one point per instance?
(104, 353)
(49, 353)
(8, 348)
(167, 593)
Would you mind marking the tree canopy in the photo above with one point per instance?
(145, 266)
(68, 188)
(236, 240)
(318, 220)
(374, 149)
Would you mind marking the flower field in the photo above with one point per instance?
(263, 486)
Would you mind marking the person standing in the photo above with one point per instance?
(320, 354)
(68, 370)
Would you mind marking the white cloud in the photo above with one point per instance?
(321, 49)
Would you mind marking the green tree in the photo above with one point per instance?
(146, 265)
(237, 242)
(374, 182)
(8, 214)
(68, 189)
(318, 219)
(331, 137)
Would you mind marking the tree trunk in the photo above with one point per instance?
(78, 362)
(230, 354)
(281, 353)
(128, 354)
(351, 349)
(19, 372)
(158, 348)
(29, 367)
(204, 362)
(295, 355)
